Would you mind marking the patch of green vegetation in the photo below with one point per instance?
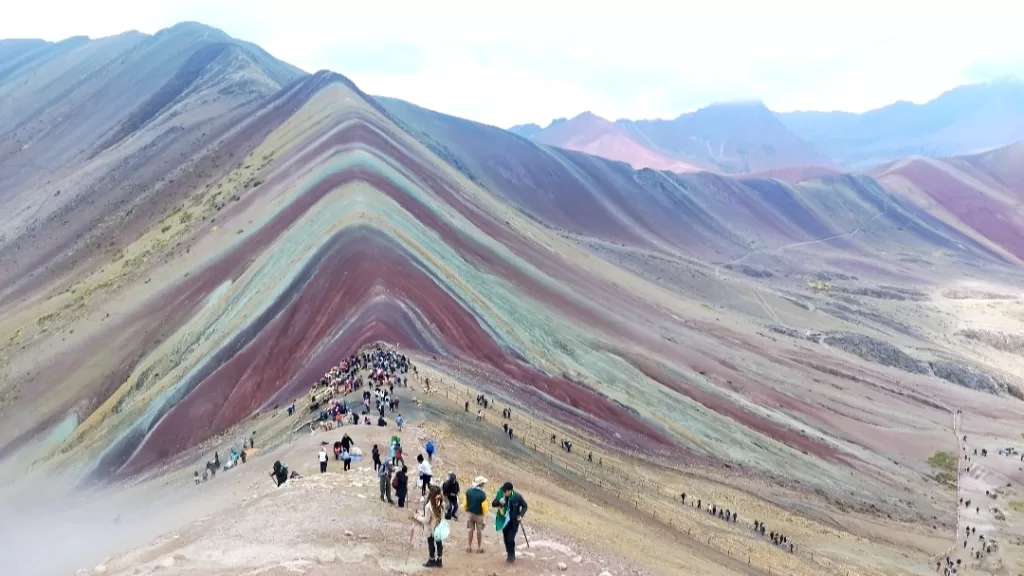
(186, 217)
(46, 319)
(165, 229)
(819, 285)
(1017, 506)
(945, 466)
(136, 261)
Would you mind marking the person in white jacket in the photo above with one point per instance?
(426, 473)
(429, 517)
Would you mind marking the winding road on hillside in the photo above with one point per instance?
(777, 249)
(784, 247)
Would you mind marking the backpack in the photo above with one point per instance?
(430, 447)
(394, 482)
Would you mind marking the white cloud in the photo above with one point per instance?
(532, 60)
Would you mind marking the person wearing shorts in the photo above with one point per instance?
(476, 511)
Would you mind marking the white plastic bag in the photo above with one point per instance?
(442, 531)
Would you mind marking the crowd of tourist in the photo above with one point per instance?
(950, 565)
(377, 373)
(327, 397)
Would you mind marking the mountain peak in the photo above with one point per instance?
(741, 108)
(557, 122)
(525, 130)
(192, 28)
(751, 103)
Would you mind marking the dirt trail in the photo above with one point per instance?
(990, 505)
(323, 523)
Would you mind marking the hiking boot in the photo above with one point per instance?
(438, 564)
(430, 563)
(510, 559)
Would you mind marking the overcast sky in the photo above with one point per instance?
(532, 60)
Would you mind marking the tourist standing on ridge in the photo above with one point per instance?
(401, 486)
(511, 509)
(426, 474)
(476, 507)
(384, 474)
(346, 459)
(376, 457)
(398, 459)
(450, 490)
(429, 518)
(323, 459)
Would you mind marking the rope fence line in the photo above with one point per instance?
(729, 541)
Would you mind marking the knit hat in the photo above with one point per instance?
(479, 481)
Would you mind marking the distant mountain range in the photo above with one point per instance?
(747, 137)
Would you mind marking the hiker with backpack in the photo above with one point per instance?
(279, 473)
(511, 507)
(476, 507)
(431, 518)
(450, 490)
(430, 451)
(425, 472)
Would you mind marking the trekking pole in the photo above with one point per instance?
(409, 551)
(525, 536)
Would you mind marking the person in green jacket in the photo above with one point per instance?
(476, 508)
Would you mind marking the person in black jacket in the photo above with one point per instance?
(401, 482)
(513, 507)
(451, 491)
